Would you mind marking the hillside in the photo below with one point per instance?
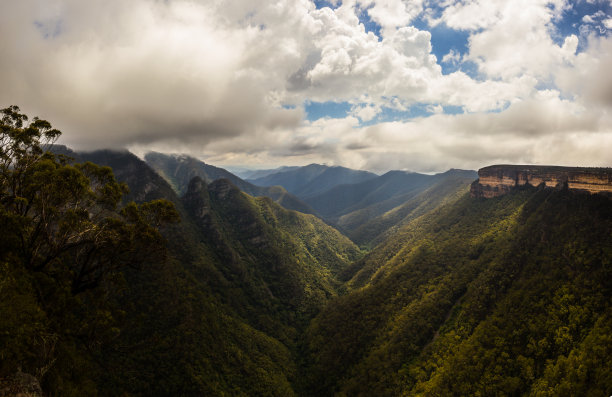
(282, 257)
(366, 210)
(366, 227)
(313, 179)
(261, 269)
(219, 315)
(507, 295)
(490, 297)
(178, 170)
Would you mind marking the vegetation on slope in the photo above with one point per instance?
(507, 296)
(365, 227)
(243, 278)
(280, 258)
(65, 246)
(94, 302)
(487, 297)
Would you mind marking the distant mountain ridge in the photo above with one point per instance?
(313, 179)
(365, 206)
(365, 211)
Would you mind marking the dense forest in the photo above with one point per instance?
(115, 282)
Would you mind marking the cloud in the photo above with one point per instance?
(453, 57)
(122, 73)
(366, 112)
(227, 81)
(541, 130)
(589, 79)
(390, 14)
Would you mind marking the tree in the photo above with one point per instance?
(65, 240)
(64, 219)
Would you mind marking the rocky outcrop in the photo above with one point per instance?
(497, 180)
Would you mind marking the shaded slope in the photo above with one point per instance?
(491, 297)
(158, 330)
(179, 334)
(178, 170)
(222, 316)
(281, 257)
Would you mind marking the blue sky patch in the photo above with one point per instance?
(453, 109)
(444, 39)
(417, 110)
(324, 3)
(334, 110)
(572, 21)
(368, 23)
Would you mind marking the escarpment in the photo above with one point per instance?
(497, 180)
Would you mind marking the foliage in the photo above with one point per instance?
(64, 246)
(100, 295)
(483, 297)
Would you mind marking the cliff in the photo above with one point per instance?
(497, 180)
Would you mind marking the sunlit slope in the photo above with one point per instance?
(506, 296)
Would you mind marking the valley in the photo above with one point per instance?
(305, 198)
(398, 284)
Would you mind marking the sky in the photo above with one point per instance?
(415, 85)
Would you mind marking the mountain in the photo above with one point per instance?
(370, 226)
(262, 270)
(460, 295)
(312, 179)
(385, 200)
(178, 170)
(221, 315)
(363, 211)
(502, 296)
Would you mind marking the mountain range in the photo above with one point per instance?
(401, 284)
(312, 179)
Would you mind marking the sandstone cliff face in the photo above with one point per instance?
(497, 180)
